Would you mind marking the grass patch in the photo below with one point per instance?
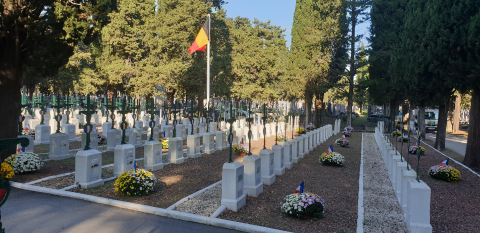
(450, 153)
(360, 121)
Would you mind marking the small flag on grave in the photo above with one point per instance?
(445, 162)
(300, 188)
(343, 136)
(330, 149)
(135, 165)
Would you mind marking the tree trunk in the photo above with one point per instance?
(472, 157)
(318, 109)
(441, 127)
(456, 116)
(308, 106)
(421, 121)
(450, 115)
(354, 14)
(10, 85)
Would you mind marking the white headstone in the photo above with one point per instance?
(268, 175)
(88, 168)
(153, 155)
(69, 129)
(175, 150)
(253, 184)
(295, 150)
(42, 134)
(221, 140)
(209, 143)
(233, 196)
(288, 159)
(93, 140)
(278, 156)
(124, 157)
(112, 137)
(193, 146)
(29, 148)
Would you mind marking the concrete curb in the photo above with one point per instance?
(461, 164)
(218, 211)
(150, 210)
(192, 195)
(361, 209)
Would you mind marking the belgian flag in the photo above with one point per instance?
(203, 38)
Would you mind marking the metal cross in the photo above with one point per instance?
(88, 111)
(192, 111)
(175, 111)
(124, 124)
(230, 135)
(112, 106)
(43, 105)
(249, 120)
(152, 113)
(135, 106)
(264, 118)
(57, 105)
(418, 155)
(276, 125)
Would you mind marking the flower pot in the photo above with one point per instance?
(243, 154)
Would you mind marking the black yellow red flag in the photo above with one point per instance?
(203, 38)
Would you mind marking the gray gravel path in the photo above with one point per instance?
(382, 211)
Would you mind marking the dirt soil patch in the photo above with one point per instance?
(337, 185)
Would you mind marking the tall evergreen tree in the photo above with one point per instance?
(356, 11)
(316, 33)
(29, 31)
(452, 37)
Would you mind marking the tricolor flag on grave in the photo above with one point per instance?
(445, 162)
(404, 134)
(330, 149)
(203, 38)
(299, 189)
(343, 136)
(135, 166)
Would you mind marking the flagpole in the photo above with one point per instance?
(208, 62)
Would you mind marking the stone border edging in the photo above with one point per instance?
(361, 209)
(150, 209)
(218, 211)
(193, 195)
(463, 165)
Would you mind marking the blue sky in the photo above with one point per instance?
(279, 12)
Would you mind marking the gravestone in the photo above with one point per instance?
(153, 155)
(288, 156)
(69, 129)
(253, 184)
(59, 146)
(29, 148)
(193, 146)
(233, 196)
(300, 147)
(42, 134)
(93, 140)
(209, 143)
(221, 142)
(124, 157)
(113, 139)
(278, 157)
(88, 168)
(175, 150)
(268, 175)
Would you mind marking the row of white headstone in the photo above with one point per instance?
(240, 180)
(412, 195)
(336, 128)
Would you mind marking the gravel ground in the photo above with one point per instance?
(204, 204)
(337, 185)
(382, 211)
(454, 206)
(58, 183)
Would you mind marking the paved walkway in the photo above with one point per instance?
(27, 211)
(457, 144)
